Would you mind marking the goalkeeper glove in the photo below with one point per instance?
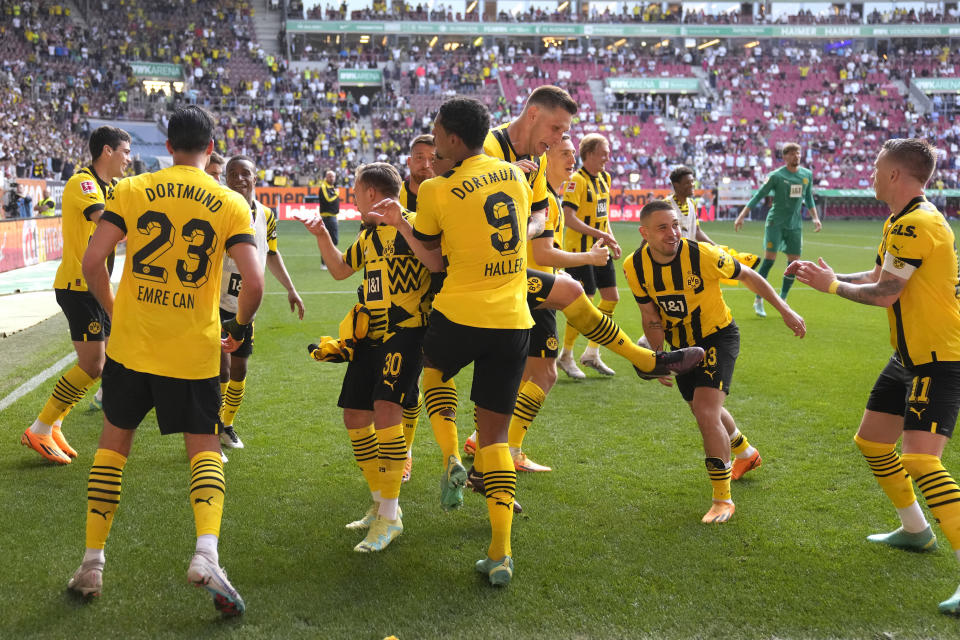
(235, 329)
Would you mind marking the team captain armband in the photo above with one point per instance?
(900, 267)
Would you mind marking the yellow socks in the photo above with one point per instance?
(529, 401)
(570, 337)
(68, 391)
(606, 307)
(441, 401)
(410, 417)
(888, 470)
(207, 491)
(500, 484)
(223, 389)
(232, 399)
(366, 450)
(599, 328)
(392, 456)
(940, 492)
(719, 472)
(103, 495)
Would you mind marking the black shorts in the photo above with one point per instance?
(593, 278)
(87, 319)
(543, 335)
(539, 286)
(384, 371)
(245, 350)
(498, 357)
(716, 370)
(927, 396)
(183, 406)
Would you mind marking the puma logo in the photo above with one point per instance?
(102, 514)
(390, 383)
(207, 500)
(504, 504)
(918, 412)
(710, 372)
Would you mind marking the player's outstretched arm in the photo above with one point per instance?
(388, 211)
(332, 257)
(571, 220)
(102, 243)
(759, 285)
(279, 271)
(545, 253)
(878, 287)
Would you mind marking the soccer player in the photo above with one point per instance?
(420, 165)
(163, 354)
(215, 166)
(917, 395)
(386, 364)
(586, 203)
(544, 254)
(676, 283)
(82, 204)
(330, 208)
(682, 180)
(242, 178)
(792, 188)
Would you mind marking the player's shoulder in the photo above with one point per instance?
(580, 177)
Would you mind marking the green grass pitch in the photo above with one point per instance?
(610, 544)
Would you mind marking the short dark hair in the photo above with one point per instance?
(235, 159)
(215, 158)
(109, 136)
(652, 207)
(190, 129)
(466, 118)
(426, 138)
(551, 97)
(916, 155)
(677, 174)
(381, 176)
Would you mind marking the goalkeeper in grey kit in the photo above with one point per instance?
(381, 338)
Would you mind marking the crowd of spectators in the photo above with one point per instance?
(624, 12)
(297, 121)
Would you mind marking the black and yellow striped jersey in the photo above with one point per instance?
(396, 285)
(589, 197)
(498, 145)
(479, 211)
(687, 212)
(83, 196)
(686, 289)
(179, 222)
(919, 245)
(553, 229)
(329, 199)
(408, 199)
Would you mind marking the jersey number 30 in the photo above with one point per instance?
(201, 242)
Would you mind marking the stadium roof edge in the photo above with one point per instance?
(570, 30)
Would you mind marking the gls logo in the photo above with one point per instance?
(900, 230)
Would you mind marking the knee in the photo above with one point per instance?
(872, 449)
(920, 464)
(566, 290)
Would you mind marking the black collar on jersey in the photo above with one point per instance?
(910, 205)
(503, 139)
(103, 185)
(550, 189)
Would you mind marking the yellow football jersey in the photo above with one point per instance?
(396, 285)
(83, 195)
(553, 229)
(179, 223)
(498, 145)
(479, 211)
(686, 289)
(918, 244)
(408, 199)
(590, 199)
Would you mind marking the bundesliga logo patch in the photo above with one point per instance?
(571, 187)
(88, 186)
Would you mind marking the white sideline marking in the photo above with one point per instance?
(36, 380)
